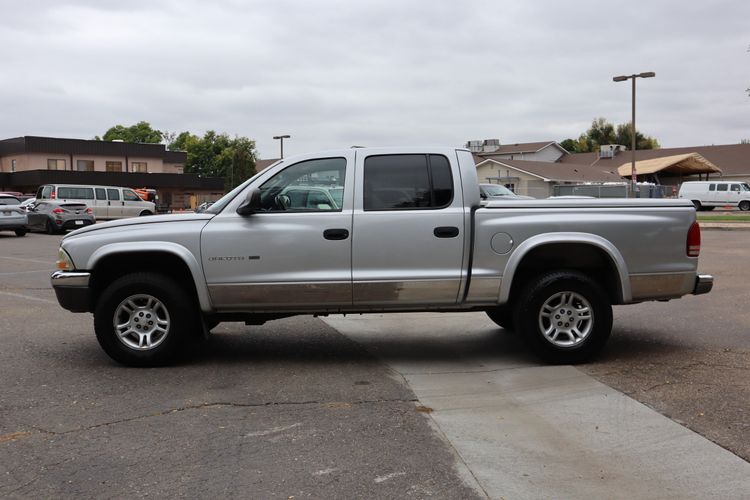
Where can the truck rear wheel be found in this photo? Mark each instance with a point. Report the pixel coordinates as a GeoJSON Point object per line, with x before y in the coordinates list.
{"type": "Point", "coordinates": [565, 317]}
{"type": "Point", "coordinates": [144, 319]}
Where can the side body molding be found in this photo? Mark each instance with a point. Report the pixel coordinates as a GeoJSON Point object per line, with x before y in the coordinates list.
{"type": "Point", "coordinates": [176, 249]}
{"type": "Point", "coordinates": [582, 238]}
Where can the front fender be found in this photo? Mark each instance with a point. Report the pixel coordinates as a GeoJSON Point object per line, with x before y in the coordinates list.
{"type": "Point", "coordinates": [159, 246]}
{"type": "Point", "coordinates": [548, 238]}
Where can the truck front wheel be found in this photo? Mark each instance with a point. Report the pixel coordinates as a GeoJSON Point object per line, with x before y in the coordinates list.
{"type": "Point", "coordinates": [565, 317]}
{"type": "Point", "coordinates": [143, 319]}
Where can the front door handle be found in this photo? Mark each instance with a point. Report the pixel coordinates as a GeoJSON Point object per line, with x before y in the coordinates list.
{"type": "Point", "coordinates": [336, 234]}
{"type": "Point", "coordinates": [445, 232]}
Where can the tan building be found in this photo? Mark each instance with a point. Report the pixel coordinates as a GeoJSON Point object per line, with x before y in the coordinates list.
{"type": "Point", "coordinates": [540, 178]}
{"type": "Point", "coordinates": [732, 159]}
{"type": "Point", "coordinates": [29, 161]}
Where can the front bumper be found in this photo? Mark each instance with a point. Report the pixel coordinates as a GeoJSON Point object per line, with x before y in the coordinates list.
{"type": "Point", "coordinates": [703, 284]}
{"type": "Point", "coordinates": [72, 290]}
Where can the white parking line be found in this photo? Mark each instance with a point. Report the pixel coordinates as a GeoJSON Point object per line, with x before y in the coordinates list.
{"type": "Point", "coordinates": [26, 272]}
{"type": "Point", "coordinates": [29, 297]}
{"type": "Point", "coordinates": [49, 263]}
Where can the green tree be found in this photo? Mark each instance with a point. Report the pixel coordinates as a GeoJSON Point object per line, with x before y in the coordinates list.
{"type": "Point", "coordinates": [140, 132]}
{"type": "Point", "coordinates": [218, 155]}
{"type": "Point", "coordinates": [602, 133]}
{"type": "Point", "coordinates": [625, 137]}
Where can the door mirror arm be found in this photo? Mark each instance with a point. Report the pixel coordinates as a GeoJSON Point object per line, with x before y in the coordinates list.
{"type": "Point", "coordinates": [251, 204]}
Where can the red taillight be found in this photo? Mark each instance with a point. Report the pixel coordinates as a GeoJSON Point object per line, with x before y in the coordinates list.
{"type": "Point", "coordinates": [89, 211]}
{"type": "Point", "coordinates": [58, 211]}
{"type": "Point", "coordinates": [693, 245]}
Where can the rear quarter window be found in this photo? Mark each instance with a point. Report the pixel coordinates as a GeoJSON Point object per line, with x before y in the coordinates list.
{"type": "Point", "coordinates": [75, 193]}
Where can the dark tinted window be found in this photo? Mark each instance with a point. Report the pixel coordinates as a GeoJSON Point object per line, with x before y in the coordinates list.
{"type": "Point", "coordinates": [75, 193]}
{"type": "Point", "coordinates": [736, 187]}
{"type": "Point", "coordinates": [113, 194]}
{"type": "Point", "coordinates": [397, 182]}
{"type": "Point", "coordinates": [712, 187]}
{"type": "Point", "coordinates": [100, 194]}
{"type": "Point", "coordinates": [722, 187]}
{"type": "Point", "coordinates": [442, 182]}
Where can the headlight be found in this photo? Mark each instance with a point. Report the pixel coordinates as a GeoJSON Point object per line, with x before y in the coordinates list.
{"type": "Point", "coordinates": [64, 262]}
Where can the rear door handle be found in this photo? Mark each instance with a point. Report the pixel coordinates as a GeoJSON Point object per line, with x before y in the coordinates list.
{"type": "Point", "coordinates": [445, 232]}
{"type": "Point", "coordinates": [336, 234]}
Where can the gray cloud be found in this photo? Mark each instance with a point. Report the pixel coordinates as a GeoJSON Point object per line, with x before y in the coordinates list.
{"type": "Point", "coordinates": [335, 73]}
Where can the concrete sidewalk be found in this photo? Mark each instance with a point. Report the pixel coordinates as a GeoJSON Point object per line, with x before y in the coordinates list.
{"type": "Point", "coordinates": [526, 430]}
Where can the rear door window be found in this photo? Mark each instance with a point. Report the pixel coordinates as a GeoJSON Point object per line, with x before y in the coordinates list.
{"type": "Point", "coordinates": [101, 194]}
{"type": "Point", "coordinates": [712, 187]}
{"type": "Point", "coordinates": [407, 182]}
{"type": "Point", "coordinates": [722, 187]}
{"type": "Point", "coordinates": [113, 194]}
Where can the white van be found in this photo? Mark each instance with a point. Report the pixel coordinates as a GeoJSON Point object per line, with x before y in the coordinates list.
{"type": "Point", "coordinates": [108, 202]}
{"type": "Point", "coordinates": [707, 195]}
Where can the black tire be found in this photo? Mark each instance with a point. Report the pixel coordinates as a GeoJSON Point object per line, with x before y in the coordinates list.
{"type": "Point", "coordinates": [698, 205]}
{"type": "Point", "coordinates": [145, 213]}
{"type": "Point", "coordinates": [21, 232]}
{"type": "Point", "coordinates": [529, 321]}
{"type": "Point", "coordinates": [744, 205]}
{"type": "Point", "coordinates": [50, 227]}
{"type": "Point", "coordinates": [502, 316]}
{"type": "Point", "coordinates": [181, 312]}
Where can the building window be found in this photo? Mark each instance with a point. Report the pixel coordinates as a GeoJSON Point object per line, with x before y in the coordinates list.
{"type": "Point", "coordinates": [54, 164]}
{"type": "Point", "coordinates": [140, 166]}
{"type": "Point", "coordinates": [85, 165]}
{"type": "Point", "coordinates": [12, 165]}
{"type": "Point", "coordinates": [113, 166]}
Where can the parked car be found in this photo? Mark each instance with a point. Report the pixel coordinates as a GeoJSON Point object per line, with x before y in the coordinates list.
{"type": "Point", "coordinates": [27, 204]}
{"type": "Point", "coordinates": [12, 216]}
{"type": "Point", "coordinates": [411, 235]}
{"type": "Point", "coordinates": [107, 202]}
{"type": "Point", "coordinates": [203, 206]}
{"type": "Point", "coordinates": [56, 216]}
{"type": "Point", "coordinates": [707, 195]}
{"type": "Point", "coordinates": [307, 198]}
{"type": "Point", "coordinates": [499, 192]}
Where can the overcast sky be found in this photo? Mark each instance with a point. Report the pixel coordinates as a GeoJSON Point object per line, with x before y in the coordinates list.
{"type": "Point", "coordinates": [338, 73]}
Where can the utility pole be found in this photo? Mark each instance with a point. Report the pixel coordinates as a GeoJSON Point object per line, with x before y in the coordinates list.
{"type": "Point", "coordinates": [633, 175]}
{"type": "Point", "coordinates": [281, 138]}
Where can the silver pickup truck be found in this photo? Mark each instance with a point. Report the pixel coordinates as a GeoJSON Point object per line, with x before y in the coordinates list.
{"type": "Point", "coordinates": [378, 230]}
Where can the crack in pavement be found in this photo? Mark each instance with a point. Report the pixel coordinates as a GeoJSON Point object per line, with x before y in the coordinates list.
{"type": "Point", "coordinates": [220, 404]}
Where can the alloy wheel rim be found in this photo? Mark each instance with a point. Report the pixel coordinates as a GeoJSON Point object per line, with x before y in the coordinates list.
{"type": "Point", "coordinates": [566, 319]}
{"type": "Point", "coordinates": [141, 322]}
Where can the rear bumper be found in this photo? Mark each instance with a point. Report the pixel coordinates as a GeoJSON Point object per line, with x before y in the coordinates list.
{"type": "Point", "coordinates": [72, 290]}
{"type": "Point", "coordinates": [703, 284]}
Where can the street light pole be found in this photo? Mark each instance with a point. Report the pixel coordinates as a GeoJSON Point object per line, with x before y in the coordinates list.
{"type": "Point", "coordinates": [633, 175]}
{"type": "Point", "coordinates": [281, 138]}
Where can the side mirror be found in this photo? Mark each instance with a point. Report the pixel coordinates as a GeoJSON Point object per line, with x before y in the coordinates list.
{"type": "Point", "coordinates": [251, 204]}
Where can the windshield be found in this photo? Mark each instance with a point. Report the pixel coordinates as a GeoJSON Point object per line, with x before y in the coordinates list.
{"type": "Point", "coordinates": [745, 186]}
{"type": "Point", "coordinates": [224, 200]}
{"type": "Point", "coordinates": [497, 190]}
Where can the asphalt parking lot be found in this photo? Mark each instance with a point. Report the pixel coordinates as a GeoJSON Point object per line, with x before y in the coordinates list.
{"type": "Point", "coordinates": [296, 409]}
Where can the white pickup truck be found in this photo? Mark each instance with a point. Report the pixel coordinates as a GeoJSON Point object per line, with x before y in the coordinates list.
{"type": "Point", "coordinates": [378, 230]}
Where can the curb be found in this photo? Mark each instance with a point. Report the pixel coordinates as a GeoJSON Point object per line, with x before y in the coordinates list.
{"type": "Point", "coordinates": [728, 226]}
